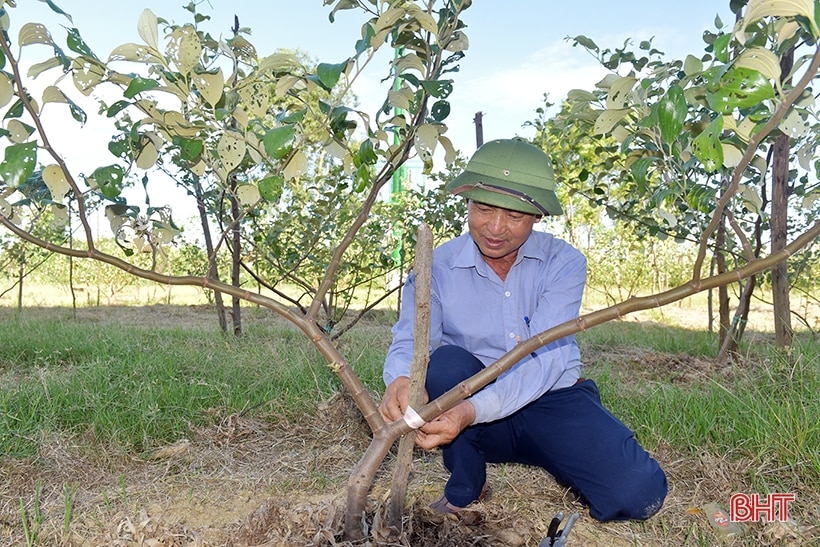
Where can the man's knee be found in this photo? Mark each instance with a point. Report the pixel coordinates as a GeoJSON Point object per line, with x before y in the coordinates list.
{"type": "Point", "coordinates": [448, 366]}
{"type": "Point", "coordinates": [642, 499]}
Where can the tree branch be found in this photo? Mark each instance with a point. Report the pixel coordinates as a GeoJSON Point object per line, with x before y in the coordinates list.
{"type": "Point", "coordinates": [754, 142]}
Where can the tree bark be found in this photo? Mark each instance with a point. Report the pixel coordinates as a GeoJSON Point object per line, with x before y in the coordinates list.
{"type": "Point", "coordinates": [723, 291]}
{"type": "Point", "coordinates": [418, 374]}
{"type": "Point", "coordinates": [213, 270]}
{"type": "Point", "coordinates": [779, 225]}
{"type": "Point", "coordinates": [21, 274]}
{"type": "Point", "coordinates": [236, 258]}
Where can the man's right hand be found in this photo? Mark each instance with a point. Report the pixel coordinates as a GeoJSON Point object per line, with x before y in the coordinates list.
{"type": "Point", "coordinates": [395, 400]}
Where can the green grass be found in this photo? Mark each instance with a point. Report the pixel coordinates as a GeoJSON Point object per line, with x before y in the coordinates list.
{"type": "Point", "coordinates": [138, 388]}
{"type": "Point", "coordinates": [762, 409]}
{"type": "Point", "coordinates": [652, 336]}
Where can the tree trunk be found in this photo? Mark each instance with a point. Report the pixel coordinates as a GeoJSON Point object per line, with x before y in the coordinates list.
{"type": "Point", "coordinates": [418, 374]}
{"type": "Point", "coordinates": [213, 270]}
{"type": "Point", "coordinates": [723, 291]}
{"type": "Point", "coordinates": [710, 297]}
{"type": "Point", "coordinates": [71, 267]}
{"type": "Point", "coordinates": [729, 346]}
{"type": "Point", "coordinates": [236, 258]}
{"type": "Point", "coordinates": [21, 276]}
{"type": "Point", "coordinates": [779, 225]}
{"type": "Point", "coordinates": [236, 234]}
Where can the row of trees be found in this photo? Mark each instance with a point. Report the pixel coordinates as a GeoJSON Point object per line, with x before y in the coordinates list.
{"type": "Point", "coordinates": [619, 267]}
{"type": "Point", "coordinates": [287, 173]}
{"type": "Point", "coordinates": [710, 149]}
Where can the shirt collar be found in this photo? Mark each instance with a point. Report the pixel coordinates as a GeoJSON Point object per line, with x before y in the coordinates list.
{"type": "Point", "coordinates": [470, 257]}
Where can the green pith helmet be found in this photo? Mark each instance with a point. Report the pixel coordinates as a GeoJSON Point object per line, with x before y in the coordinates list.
{"type": "Point", "coordinates": [512, 174]}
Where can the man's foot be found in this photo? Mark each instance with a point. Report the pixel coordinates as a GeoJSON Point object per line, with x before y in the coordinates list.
{"type": "Point", "coordinates": [444, 506]}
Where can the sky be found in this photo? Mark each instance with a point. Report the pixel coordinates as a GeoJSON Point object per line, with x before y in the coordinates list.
{"type": "Point", "coordinates": [518, 48]}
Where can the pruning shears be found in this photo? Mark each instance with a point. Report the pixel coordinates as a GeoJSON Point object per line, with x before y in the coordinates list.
{"type": "Point", "coordinates": [556, 537]}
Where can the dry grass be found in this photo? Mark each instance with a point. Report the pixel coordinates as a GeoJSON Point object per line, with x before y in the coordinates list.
{"type": "Point", "coordinates": [265, 481]}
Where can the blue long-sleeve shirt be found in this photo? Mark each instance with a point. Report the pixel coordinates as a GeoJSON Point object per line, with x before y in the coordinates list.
{"type": "Point", "coordinates": [473, 308]}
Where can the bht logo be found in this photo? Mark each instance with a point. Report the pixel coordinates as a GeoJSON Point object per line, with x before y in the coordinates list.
{"type": "Point", "coordinates": [745, 508]}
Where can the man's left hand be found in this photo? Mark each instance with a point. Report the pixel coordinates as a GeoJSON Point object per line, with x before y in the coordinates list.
{"type": "Point", "coordinates": [446, 427]}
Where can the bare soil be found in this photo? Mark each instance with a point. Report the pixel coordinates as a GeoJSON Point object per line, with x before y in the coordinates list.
{"type": "Point", "coordinates": [264, 480]}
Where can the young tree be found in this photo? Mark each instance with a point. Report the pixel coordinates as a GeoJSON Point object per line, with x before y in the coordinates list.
{"type": "Point", "coordinates": [697, 139]}
{"type": "Point", "coordinates": [207, 108]}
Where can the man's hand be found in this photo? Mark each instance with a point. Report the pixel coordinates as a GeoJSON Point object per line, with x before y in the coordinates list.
{"type": "Point", "coordinates": [395, 400]}
{"type": "Point", "coordinates": [441, 430]}
{"type": "Point", "coordinates": [446, 427]}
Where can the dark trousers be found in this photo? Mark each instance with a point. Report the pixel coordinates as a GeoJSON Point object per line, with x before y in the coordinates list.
{"type": "Point", "coordinates": [567, 432]}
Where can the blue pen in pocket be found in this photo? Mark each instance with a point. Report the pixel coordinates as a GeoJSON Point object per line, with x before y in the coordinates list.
{"type": "Point", "coordinates": [529, 334]}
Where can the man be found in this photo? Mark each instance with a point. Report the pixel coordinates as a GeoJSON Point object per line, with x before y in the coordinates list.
{"type": "Point", "coordinates": [491, 288]}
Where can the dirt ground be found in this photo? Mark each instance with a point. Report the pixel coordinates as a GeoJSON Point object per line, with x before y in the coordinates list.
{"type": "Point", "coordinates": [265, 481]}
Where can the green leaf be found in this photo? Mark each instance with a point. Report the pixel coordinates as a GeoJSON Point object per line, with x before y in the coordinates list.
{"type": "Point", "coordinates": [439, 89]}
{"type": "Point", "coordinates": [737, 88]}
{"type": "Point", "coordinates": [138, 85]}
{"type": "Point", "coordinates": [412, 79]}
{"type": "Point", "coordinates": [277, 141]}
{"type": "Point", "coordinates": [672, 109]}
{"type": "Point", "coordinates": [117, 107]}
{"type": "Point", "coordinates": [363, 44]}
{"type": "Point", "coordinates": [342, 5]}
{"type": "Point", "coordinates": [190, 150]}
{"type": "Point", "coordinates": [707, 146]}
{"type": "Point", "coordinates": [440, 110]}
{"type": "Point", "coordinates": [64, 60]}
{"type": "Point", "coordinates": [76, 112]}
{"type": "Point", "coordinates": [585, 42]}
{"type": "Point", "coordinates": [55, 9]}
{"type": "Point", "coordinates": [271, 187]}
{"type": "Point", "coordinates": [292, 117]}
{"type": "Point", "coordinates": [15, 111]}
{"type": "Point", "coordinates": [721, 47]}
{"type": "Point", "coordinates": [120, 146]}
{"type": "Point", "coordinates": [362, 179]}
{"type": "Point", "coordinates": [640, 169]}
{"type": "Point", "coordinates": [329, 74]}
{"type": "Point", "coordinates": [367, 154]}
{"type": "Point", "coordinates": [109, 180]}
{"type": "Point", "coordinates": [78, 45]}
{"type": "Point", "coordinates": [338, 120]}
{"type": "Point", "coordinates": [18, 164]}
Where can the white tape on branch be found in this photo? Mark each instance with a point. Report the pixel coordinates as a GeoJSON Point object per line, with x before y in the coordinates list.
{"type": "Point", "coordinates": [412, 418]}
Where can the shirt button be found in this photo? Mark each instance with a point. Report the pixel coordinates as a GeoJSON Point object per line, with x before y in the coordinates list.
{"type": "Point", "coordinates": [512, 335]}
{"type": "Point", "coordinates": [507, 294]}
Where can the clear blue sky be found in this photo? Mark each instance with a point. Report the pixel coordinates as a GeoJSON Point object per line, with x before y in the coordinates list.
{"type": "Point", "coordinates": [517, 49]}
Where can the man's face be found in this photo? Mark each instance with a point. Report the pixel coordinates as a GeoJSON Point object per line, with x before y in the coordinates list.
{"type": "Point", "coordinates": [498, 232]}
